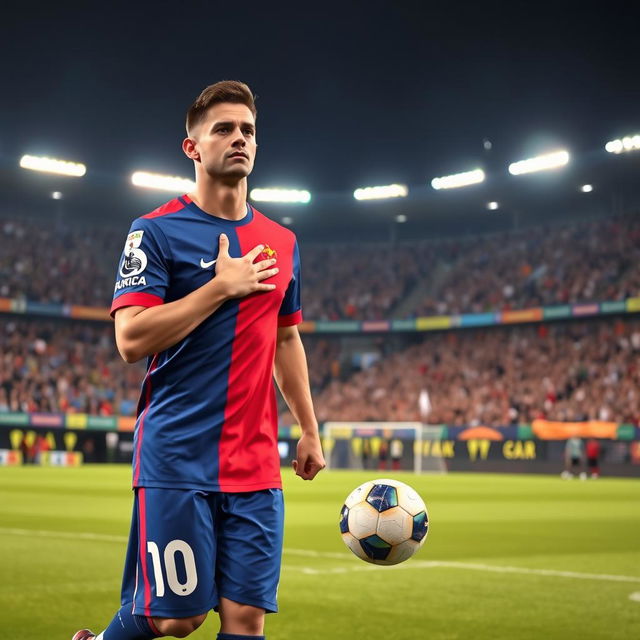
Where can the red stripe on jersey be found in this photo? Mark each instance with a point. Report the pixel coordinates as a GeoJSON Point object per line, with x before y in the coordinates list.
{"type": "Point", "coordinates": [135, 299]}
{"type": "Point", "coordinates": [291, 319]}
{"type": "Point", "coordinates": [142, 514]}
{"type": "Point", "coordinates": [248, 446]}
{"type": "Point", "coordinates": [147, 402]}
{"type": "Point", "coordinates": [168, 207]}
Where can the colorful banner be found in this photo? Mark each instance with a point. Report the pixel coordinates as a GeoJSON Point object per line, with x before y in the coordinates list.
{"type": "Point", "coordinates": [548, 430]}
{"type": "Point", "coordinates": [540, 429]}
{"type": "Point", "coordinates": [520, 316]}
{"type": "Point", "coordinates": [427, 323]}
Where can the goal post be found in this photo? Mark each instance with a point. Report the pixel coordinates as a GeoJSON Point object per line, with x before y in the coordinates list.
{"type": "Point", "coordinates": [393, 446]}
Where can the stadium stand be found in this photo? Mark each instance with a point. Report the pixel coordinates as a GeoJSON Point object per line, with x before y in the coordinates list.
{"type": "Point", "coordinates": [532, 267]}
{"type": "Point", "coordinates": [565, 371]}
{"type": "Point", "coordinates": [573, 371]}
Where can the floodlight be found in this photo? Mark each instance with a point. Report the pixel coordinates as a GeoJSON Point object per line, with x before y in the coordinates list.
{"type": "Point", "coordinates": [57, 195]}
{"type": "Point", "coordinates": [493, 206]}
{"type": "Point", "coordinates": [53, 165]}
{"type": "Point", "coordinates": [458, 180]}
{"type": "Point", "coordinates": [280, 195]}
{"type": "Point", "coordinates": [161, 182]}
{"type": "Point", "coordinates": [379, 193]}
{"type": "Point", "coordinates": [540, 163]}
{"type": "Point", "coordinates": [621, 145]}
{"type": "Point", "coordinates": [586, 188]}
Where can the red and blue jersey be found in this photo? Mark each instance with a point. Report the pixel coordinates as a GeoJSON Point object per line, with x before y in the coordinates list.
{"type": "Point", "coordinates": [207, 416]}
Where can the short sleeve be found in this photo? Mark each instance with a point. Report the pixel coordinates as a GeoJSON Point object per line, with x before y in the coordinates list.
{"type": "Point", "coordinates": [291, 308]}
{"type": "Point", "coordinates": [143, 275]}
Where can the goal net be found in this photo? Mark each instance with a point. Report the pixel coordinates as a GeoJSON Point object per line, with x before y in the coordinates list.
{"type": "Point", "coordinates": [390, 446]}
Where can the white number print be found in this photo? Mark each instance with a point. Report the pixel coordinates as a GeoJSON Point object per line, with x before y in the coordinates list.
{"type": "Point", "coordinates": [179, 588]}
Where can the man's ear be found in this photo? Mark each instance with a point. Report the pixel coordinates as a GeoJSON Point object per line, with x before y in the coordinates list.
{"type": "Point", "coordinates": [189, 148]}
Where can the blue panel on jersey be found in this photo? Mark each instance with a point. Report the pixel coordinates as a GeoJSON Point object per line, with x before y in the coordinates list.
{"type": "Point", "coordinates": [420, 526]}
{"type": "Point", "coordinates": [383, 497]}
{"type": "Point", "coordinates": [344, 519]}
{"type": "Point", "coordinates": [375, 547]}
{"type": "Point", "coordinates": [291, 302]}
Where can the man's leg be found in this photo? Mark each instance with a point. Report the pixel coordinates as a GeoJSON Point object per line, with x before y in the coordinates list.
{"type": "Point", "coordinates": [168, 583]}
{"type": "Point", "coordinates": [240, 621]}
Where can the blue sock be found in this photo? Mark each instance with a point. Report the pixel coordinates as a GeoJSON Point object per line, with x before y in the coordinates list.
{"type": "Point", "coordinates": [126, 626]}
{"type": "Point", "coordinates": [233, 636]}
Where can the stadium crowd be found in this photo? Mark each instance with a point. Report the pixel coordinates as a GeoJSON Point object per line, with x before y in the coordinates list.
{"type": "Point", "coordinates": [573, 371]}
{"type": "Point", "coordinates": [73, 367]}
{"type": "Point", "coordinates": [582, 262]}
{"type": "Point", "coordinates": [585, 262]}
{"type": "Point", "coordinates": [569, 372]}
{"type": "Point", "coordinates": [68, 367]}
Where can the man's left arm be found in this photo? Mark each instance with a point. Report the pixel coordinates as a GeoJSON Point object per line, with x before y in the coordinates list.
{"type": "Point", "coordinates": [292, 377]}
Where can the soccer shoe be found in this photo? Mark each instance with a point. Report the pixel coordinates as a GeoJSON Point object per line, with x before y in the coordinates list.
{"type": "Point", "coordinates": [83, 634]}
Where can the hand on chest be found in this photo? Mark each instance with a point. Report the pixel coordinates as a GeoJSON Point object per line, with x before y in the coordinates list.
{"type": "Point", "coordinates": [195, 257]}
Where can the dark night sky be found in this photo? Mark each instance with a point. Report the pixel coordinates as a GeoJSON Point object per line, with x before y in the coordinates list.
{"type": "Point", "coordinates": [349, 93]}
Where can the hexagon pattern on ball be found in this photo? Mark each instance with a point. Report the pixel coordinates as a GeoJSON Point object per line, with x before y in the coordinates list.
{"type": "Point", "coordinates": [383, 497]}
{"type": "Point", "coordinates": [344, 519]}
{"type": "Point", "coordinates": [395, 525]}
{"type": "Point", "coordinates": [410, 500]}
{"type": "Point", "coordinates": [401, 552]}
{"type": "Point", "coordinates": [420, 526]}
{"type": "Point", "coordinates": [375, 547]}
{"type": "Point", "coordinates": [384, 522]}
{"type": "Point", "coordinates": [362, 520]}
{"type": "Point", "coordinates": [358, 494]}
{"type": "Point", "coordinates": [355, 546]}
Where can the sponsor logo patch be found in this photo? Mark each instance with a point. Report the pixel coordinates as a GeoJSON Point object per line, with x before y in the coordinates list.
{"type": "Point", "coordinates": [134, 260]}
{"type": "Point", "coordinates": [133, 281]}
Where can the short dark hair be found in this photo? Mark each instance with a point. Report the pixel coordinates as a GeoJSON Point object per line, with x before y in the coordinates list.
{"type": "Point", "coordinates": [224, 91]}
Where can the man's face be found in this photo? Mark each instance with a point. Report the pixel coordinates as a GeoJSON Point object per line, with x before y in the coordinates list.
{"type": "Point", "coordinates": [225, 141]}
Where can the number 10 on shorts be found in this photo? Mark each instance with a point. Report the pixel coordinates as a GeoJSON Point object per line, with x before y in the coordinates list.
{"type": "Point", "coordinates": [169, 556]}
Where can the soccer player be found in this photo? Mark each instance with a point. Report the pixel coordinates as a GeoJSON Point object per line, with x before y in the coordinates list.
{"type": "Point", "coordinates": [209, 291]}
{"type": "Point", "coordinates": [593, 454]}
{"type": "Point", "coordinates": [573, 454]}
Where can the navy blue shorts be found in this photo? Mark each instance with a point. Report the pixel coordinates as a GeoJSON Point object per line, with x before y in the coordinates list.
{"type": "Point", "coordinates": [189, 548]}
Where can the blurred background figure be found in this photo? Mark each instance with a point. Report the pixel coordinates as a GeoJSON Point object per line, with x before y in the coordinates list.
{"type": "Point", "coordinates": [573, 458]}
{"type": "Point", "coordinates": [593, 457]}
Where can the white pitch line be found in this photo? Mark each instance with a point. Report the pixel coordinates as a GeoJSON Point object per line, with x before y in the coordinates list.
{"type": "Point", "coordinates": [435, 564]}
{"type": "Point", "coordinates": [79, 535]}
{"type": "Point", "coordinates": [308, 553]}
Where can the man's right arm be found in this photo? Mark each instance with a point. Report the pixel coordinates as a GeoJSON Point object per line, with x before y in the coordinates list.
{"type": "Point", "coordinates": [142, 331]}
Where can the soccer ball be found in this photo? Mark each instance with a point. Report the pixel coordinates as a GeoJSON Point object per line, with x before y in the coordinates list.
{"type": "Point", "coordinates": [384, 521]}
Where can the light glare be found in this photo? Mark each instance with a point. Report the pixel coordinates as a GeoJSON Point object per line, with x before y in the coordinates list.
{"type": "Point", "coordinates": [57, 195]}
{"type": "Point", "coordinates": [164, 183]}
{"type": "Point", "coordinates": [401, 218]}
{"type": "Point", "coordinates": [492, 206]}
{"type": "Point", "coordinates": [381, 192]}
{"type": "Point", "coordinates": [53, 165]}
{"type": "Point", "coordinates": [280, 195]}
{"type": "Point", "coordinates": [586, 188]}
{"type": "Point", "coordinates": [458, 180]}
{"type": "Point", "coordinates": [621, 145]}
{"type": "Point", "coordinates": [540, 163]}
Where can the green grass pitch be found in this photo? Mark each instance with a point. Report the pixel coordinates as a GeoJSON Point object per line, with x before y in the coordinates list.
{"type": "Point", "coordinates": [527, 557]}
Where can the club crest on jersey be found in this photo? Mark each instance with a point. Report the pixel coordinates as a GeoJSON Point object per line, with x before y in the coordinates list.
{"type": "Point", "coordinates": [268, 253]}
{"type": "Point", "coordinates": [134, 260]}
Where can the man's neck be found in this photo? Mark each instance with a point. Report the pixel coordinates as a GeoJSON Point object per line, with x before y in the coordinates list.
{"type": "Point", "coordinates": [223, 200]}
